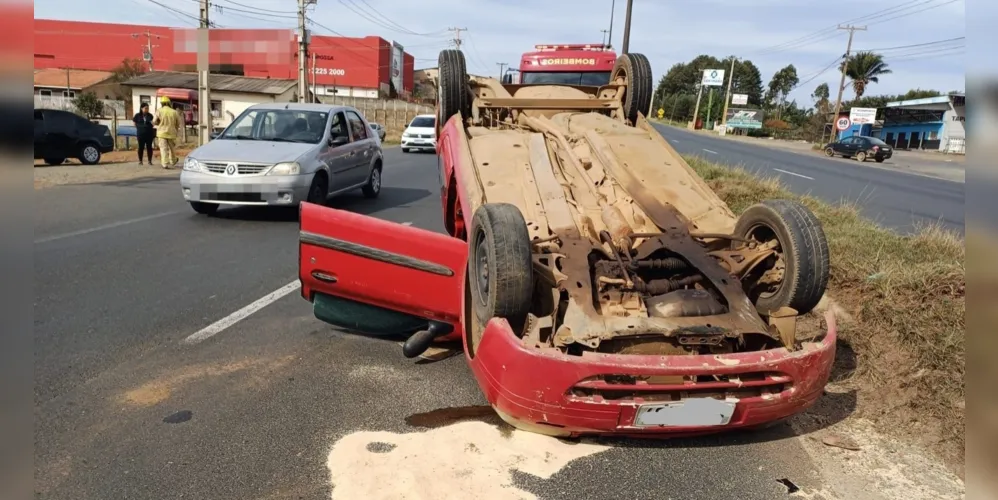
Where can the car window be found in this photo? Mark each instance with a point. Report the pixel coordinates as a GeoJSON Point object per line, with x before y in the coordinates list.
{"type": "Point", "coordinates": [338, 127]}
{"type": "Point", "coordinates": [876, 142]}
{"type": "Point", "coordinates": [278, 125]}
{"type": "Point", "coordinates": [60, 121]}
{"type": "Point", "coordinates": [423, 122]}
{"type": "Point", "coordinates": [38, 114]}
{"type": "Point", "coordinates": [849, 140]}
{"type": "Point", "coordinates": [357, 128]}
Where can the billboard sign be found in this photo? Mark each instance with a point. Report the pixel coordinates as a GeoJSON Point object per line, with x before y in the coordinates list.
{"type": "Point", "coordinates": [739, 99]}
{"type": "Point", "coordinates": [744, 118]}
{"type": "Point", "coordinates": [712, 78]}
{"type": "Point", "coordinates": [396, 74]}
{"type": "Point", "coordinates": [863, 116]}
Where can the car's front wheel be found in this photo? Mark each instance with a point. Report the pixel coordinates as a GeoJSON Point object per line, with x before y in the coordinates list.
{"type": "Point", "coordinates": [319, 190]}
{"type": "Point", "coordinates": [405, 150]}
{"type": "Point", "coordinates": [89, 154]}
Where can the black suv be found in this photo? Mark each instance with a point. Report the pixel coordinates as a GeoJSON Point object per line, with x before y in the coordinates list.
{"type": "Point", "coordinates": [61, 134]}
{"type": "Point", "coordinates": [861, 147]}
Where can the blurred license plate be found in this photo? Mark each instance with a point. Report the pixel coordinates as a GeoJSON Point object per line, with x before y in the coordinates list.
{"type": "Point", "coordinates": [694, 412]}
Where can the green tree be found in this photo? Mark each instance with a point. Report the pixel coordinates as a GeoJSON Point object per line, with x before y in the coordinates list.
{"type": "Point", "coordinates": [128, 69]}
{"type": "Point", "coordinates": [780, 86]}
{"type": "Point", "coordinates": [88, 105]}
{"type": "Point", "coordinates": [864, 68]}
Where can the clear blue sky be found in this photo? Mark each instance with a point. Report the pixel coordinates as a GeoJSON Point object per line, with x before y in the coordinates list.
{"type": "Point", "coordinates": [772, 33]}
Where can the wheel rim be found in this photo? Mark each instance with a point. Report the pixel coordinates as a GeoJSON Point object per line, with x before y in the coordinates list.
{"type": "Point", "coordinates": [90, 153]}
{"type": "Point", "coordinates": [761, 234]}
{"type": "Point", "coordinates": [481, 268]}
{"type": "Point", "coordinates": [376, 180]}
{"type": "Point", "coordinates": [861, 156]}
{"type": "Point", "coordinates": [829, 152]}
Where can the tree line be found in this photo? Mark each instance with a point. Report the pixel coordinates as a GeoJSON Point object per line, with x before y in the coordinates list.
{"type": "Point", "coordinates": [676, 93]}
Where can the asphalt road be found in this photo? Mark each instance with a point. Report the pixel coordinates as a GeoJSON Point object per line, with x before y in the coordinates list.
{"type": "Point", "coordinates": [897, 200]}
{"type": "Point", "coordinates": [125, 271]}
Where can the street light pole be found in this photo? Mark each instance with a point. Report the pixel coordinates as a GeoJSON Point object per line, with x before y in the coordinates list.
{"type": "Point", "coordinates": [613, 7]}
{"type": "Point", "coordinates": [627, 28]}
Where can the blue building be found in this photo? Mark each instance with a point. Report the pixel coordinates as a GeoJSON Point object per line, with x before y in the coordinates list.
{"type": "Point", "coordinates": [931, 124]}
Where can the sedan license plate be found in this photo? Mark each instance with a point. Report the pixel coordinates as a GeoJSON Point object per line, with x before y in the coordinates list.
{"type": "Point", "coordinates": [694, 412]}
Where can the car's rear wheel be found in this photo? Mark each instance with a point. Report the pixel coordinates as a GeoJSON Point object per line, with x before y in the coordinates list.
{"type": "Point", "coordinates": [500, 272]}
{"type": "Point", "coordinates": [829, 152]}
{"type": "Point", "coordinates": [204, 208]}
{"type": "Point", "coordinates": [634, 71]}
{"type": "Point", "coordinates": [797, 275]}
{"type": "Point", "coordinates": [880, 160]}
{"type": "Point", "coordinates": [89, 154]}
{"type": "Point", "coordinates": [54, 161]}
{"type": "Point", "coordinates": [861, 157]}
{"type": "Point", "coordinates": [452, 86]}
{"type": "Point", "coordinates": [373, 187]}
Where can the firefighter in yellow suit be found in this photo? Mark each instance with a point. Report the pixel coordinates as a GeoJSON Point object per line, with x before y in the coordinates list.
{"type": "Point", "coordinates": [167, 124]}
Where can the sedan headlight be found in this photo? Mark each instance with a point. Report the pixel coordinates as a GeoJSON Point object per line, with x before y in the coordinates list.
{"type": "Point", "coordinates": [287, 168]}
{"type": "Point", "coordinates": [192, 165]}
{"type": "Point", "coordinates": [406, 134]}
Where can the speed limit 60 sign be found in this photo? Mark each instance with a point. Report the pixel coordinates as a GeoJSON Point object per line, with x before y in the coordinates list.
{"type": "Point", "coordinates": [842, 123]}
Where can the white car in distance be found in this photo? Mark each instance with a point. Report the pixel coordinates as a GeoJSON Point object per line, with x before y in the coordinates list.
{"type": "Point", "coordinates": [421, 134]}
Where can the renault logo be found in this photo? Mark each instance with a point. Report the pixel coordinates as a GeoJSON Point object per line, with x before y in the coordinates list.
{"type": "Point", "coordinates": [231, 169]}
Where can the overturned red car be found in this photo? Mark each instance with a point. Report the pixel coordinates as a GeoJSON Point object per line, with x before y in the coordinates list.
{"type": "Point", "coordinates": [598, 285]}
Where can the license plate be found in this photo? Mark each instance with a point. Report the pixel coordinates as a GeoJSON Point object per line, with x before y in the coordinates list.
{"type": "Point", "coordinates": [695, 412]}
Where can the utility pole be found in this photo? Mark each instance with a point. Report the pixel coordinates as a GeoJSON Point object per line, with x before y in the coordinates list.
{"type": "Point", "coordinates": [457, 36]}
{"type": "Point", "coordinates": [501, 67]}
{"type": "Point", "coordinates": [604, 36]}
{"type": "Point", "coordinates": [842, 83]}
{"type": "Point", "coordinates": [696, 109]}
{"type": "Point", "coordinates": [627, 28]}
{"type": "Point", "coordinates": [609, 39]}
{"type": "Point", "coordinates": [315, 98]}
{"type": "Point", "coordinates": [727, 93]}
{"type": "Point", "coordinates": [147, 50]}
{"type": "Point", "coordinates": [302, 51]}
{"type": "Point", "coordinates": [204, 71]}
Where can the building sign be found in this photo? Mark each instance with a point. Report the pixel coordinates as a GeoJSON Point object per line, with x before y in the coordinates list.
{"type": "Point", "coordinates": [744, 118]}
{"type": "Point", "coordinates": [712, 78]}
{"type": "Point", "coordinates": [396, 75]}
{"type": "Point", "coordinates": [863, 116]}
{"type": "Point", "coordinates": [328, 71]}
{"type": "Point", "coordinates": [739, 99]}
{"type": "Point", "coordinates": [582, 61]}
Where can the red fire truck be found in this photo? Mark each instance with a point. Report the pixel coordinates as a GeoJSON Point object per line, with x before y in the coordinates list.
{"type": "Point", "coordinates": [578, 64]}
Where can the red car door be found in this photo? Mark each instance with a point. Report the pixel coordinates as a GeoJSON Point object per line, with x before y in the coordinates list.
{"type": "Point", "coordinates": [379, 278]}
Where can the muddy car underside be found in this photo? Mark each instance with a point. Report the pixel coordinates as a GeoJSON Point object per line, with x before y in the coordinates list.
{"type": "Point", "coordinates": [588, 232]}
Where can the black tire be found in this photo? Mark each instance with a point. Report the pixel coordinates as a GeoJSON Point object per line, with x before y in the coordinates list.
{"type": "Point", "coordinates": [880, 160]}
{"type": "Point", "coordinates": [636, 71]}
{"type": "Point", "coordinates": [373, 187]}
{"type": "Point", "coordinates": [405, 150]}
{"type": "Point", "coordinates": [204, 208]}
{"type": "Point", "coordinates": [318, 191]}
{"type": "Point", "coordinates": [829, 152]}
{"type": "Point", "coordinates": [500, 272]}
{"type": "Point", "coordinates": [55, 161]}
{"type": "Point", "coordinates": [452, 86]}
{"type": "Point", "coordinates": [89, 154]}
{"type": "Point", "coordinates": [861, 157]}
{"type": "Point", "coordinates": [803, 247]}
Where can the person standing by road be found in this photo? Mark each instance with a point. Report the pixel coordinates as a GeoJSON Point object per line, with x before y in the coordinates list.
{"type": "Point", "coordinates": [144, 131]}
{"type": "Point", "coordinates": [168, 122]}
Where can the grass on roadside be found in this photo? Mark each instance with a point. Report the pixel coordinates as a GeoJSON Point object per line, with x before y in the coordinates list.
{"type": "Point", "coordinates": [906, 299]}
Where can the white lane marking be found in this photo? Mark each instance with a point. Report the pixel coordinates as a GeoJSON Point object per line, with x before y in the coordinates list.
{"type": "Point", "coordinates": [406, 223]}
{"type": "Point", "coordinates": [103, 227]}
{"type": "Point", "coordinates": [216, 327]}
{"type": "Point", "coordinates": [793, 173]}
{"type": "Point", "coordinates": [711, 152]}
{"type": "Point", "coordinates": [673, 140]}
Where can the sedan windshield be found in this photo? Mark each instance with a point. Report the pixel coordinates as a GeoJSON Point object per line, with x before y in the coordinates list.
{"type": "Point", "coordinates": [278, 125]}
{"type": "Point", "coordinates": [423, 122]}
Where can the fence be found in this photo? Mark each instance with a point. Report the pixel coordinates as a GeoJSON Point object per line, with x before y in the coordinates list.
{"type": "Point", "coordinates": [111, 107]}
{"type": "Point", "coordinates": [393, 115]}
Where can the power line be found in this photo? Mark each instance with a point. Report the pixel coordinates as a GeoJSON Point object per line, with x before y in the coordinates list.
{"type": "Point", "coordinates": [178, 12]}
{"type": "Point", "coordinates": [812, 77]}
{"type": "Point", "coordinates": [403, 28]}
{"type": "Point", "coordinates": [937, 42]}
{"type": "Point", "coordinates": [261, 9]}
{"type": "Point", "coordinates": [915, 12]}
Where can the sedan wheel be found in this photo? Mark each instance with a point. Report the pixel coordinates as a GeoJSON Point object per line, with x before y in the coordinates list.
{"type": "Point", "coordinates": [90, 155]}
{"type": "Point", "coordinates": [829, 152]}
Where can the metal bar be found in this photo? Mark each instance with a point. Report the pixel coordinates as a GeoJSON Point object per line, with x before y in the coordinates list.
{"type": "Point", "coordinates": [549, 103]}
{"type": "Point", "coordinates": [367, 252]}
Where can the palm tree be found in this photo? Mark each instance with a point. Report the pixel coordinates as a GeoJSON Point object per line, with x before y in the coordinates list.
{"type": "Point", "coordinates": [863, 68]}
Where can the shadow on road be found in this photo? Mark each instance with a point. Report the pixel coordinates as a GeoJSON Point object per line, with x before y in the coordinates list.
{"type": "Point", "coordinates": [390, 197]}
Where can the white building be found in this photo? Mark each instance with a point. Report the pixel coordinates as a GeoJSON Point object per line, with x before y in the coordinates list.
{"type": "Point", "coordinates": [230, 94]}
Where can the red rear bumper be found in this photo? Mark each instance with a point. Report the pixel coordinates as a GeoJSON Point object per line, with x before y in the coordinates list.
{"type": "Point", "coordinates": [552, 392]}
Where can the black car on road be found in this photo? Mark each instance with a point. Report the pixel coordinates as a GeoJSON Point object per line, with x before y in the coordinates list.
{"type": "Point", "coordinates": [860, 147]}
{"type": "Point", "coordinates": [61, 134]}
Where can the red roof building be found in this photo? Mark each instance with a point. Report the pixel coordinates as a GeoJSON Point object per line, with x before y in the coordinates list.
{"type": "Point", "coordinates": [360, 67]}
